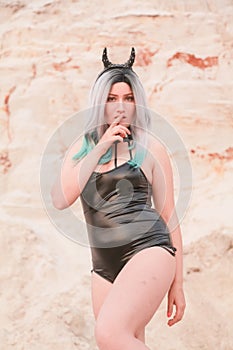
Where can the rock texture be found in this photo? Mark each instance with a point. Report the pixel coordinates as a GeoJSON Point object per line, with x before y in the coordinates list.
{"type": "Point", "coordinates": [49, 57]}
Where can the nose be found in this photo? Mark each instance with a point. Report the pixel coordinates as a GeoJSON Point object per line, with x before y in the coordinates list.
{"type": "Point", "coordinates": [120, 107]}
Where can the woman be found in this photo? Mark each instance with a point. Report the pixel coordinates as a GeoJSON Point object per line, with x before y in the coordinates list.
{"type": "Point", "coordinates": [136, 249]}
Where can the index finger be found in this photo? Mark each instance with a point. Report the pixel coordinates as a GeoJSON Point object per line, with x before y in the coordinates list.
{"type": "Point", "coordinates": [116, 121]}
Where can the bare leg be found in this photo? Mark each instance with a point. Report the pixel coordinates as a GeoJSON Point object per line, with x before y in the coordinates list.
{"type": "Point", "coordinates": [133, 299]}
{"type": "Point", "coordinates": [100, 289]}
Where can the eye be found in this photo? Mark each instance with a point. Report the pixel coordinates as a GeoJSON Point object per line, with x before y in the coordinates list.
{"type": "Point", "coordinates": [130, 98]}
{"type": "Point", "coordinates": [111, 99]}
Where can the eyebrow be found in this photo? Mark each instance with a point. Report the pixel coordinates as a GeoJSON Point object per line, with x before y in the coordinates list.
{"type": "Point", "coordinates": [123, 95]}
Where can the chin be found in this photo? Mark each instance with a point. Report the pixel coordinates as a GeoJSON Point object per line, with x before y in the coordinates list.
{"type": "Point", "coordinates": [125, 124]}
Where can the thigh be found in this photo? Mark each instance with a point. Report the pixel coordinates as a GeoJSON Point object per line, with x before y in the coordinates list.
{"type": "Point", "coordinates": [138, 290]}
{"type": "Point", "coordinates": [100, 288]}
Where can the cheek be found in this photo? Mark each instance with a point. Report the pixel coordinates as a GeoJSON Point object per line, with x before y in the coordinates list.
{"type": "Point", "coordinates": [107, 109]}
{"type": "Point", "coordinates": [131, 110]}
{"type": "Point", "coordinates": [108, 112]}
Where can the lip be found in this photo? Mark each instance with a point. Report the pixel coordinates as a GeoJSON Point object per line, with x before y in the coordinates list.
{"type": "Point", "coordinates": [122, 117]}
{"type": "Point", "coordinates": [122, 122]}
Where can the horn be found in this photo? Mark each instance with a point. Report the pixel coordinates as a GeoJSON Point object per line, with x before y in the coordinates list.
{"type": "Point", "coordinates": [131, 59]}
{"type": "Point", "coordinates": [105, 59]}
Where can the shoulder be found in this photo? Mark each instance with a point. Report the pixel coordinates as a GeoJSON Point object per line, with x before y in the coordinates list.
{"type": "Point", "coordinates": [156, 147]}
{"type": "Point", "coordinates": [159, 156]}
{"type": "Point", "coordinates": [74, 148]}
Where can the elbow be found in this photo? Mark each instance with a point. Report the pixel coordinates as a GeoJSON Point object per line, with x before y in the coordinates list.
{"type": "Point", "coordinates": [58, 203]}
{"type": "Point", "coordinates": [62, 199]}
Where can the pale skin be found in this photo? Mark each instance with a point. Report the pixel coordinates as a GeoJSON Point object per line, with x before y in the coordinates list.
{"type": "Point", "coordinates": [125, 307]}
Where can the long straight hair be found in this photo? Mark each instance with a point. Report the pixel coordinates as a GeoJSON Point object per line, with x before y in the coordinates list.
{"type": "Point", "coordinates": [96, 124]}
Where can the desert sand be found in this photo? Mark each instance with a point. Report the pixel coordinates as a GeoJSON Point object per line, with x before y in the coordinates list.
{"type": "Point", "coordinates": [50, 55]}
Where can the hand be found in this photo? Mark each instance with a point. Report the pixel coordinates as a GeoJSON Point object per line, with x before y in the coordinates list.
{"type": "Point", "coordinates": [175, 297]}
{"type": "Point", "coordinates": [115, 132]}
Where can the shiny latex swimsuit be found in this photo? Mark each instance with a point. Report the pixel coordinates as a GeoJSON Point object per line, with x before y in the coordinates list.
{"type": "Point", "coordinates": [120, 218]}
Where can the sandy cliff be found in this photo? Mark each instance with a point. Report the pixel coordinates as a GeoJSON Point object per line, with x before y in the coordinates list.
{"type": "Point", "coordinates": [50, 55]}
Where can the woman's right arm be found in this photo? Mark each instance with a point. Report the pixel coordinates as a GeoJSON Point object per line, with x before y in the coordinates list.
{"type": "Point", "coordinates": [73, 178]}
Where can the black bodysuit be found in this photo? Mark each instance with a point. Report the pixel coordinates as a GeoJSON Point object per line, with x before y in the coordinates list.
{"type": "Point", "coordinates": [120, 218]}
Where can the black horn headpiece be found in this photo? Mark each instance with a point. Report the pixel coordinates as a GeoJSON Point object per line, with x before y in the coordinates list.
{"type": "Point", "coordinates": [109, 65]}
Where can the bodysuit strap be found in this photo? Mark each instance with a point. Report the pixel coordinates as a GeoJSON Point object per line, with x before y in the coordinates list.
{"type": "Point", "coordinates": [115, 152]}
{"type": "Point", "coordinates": [130, 150]}
{"type": "Point", "coordinates": [115, 160]}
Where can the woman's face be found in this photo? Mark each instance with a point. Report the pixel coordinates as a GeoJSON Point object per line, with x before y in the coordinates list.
{"type": "Point", "coordinates": [120, 102]}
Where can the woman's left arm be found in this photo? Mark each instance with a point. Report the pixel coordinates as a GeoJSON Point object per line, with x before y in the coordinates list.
{"type": "Point", "coordinates": [163, 197]}
{"type": "Point", "coordinates": [176, 292]}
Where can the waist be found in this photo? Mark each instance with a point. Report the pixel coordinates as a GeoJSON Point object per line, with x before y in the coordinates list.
{"type": "Point", "coordinates": [140, 217]}
{"type": "Point", "coordinates": [106, 230]}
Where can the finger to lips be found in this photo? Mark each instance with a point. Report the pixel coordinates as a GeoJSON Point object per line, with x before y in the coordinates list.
{"type": "Point", "coordinates": [117, 120]}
